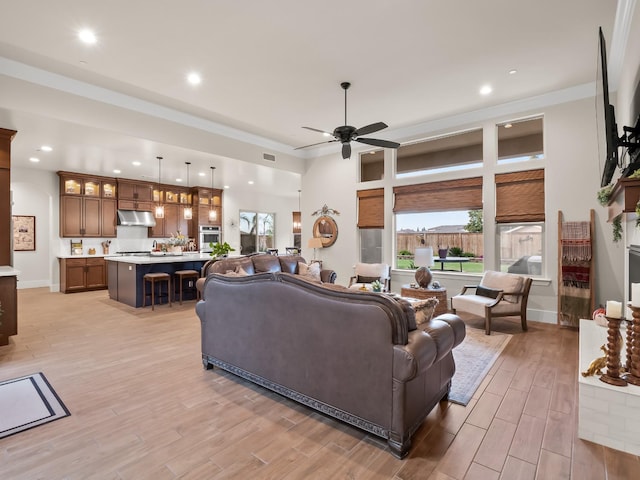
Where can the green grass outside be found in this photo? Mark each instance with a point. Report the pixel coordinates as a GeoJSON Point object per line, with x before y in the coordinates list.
{"type": "Point", "coordinates": [468, 267]}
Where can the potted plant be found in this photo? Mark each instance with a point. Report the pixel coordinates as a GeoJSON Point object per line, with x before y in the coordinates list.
{"type": "Point", "coordinates": [220, 249]}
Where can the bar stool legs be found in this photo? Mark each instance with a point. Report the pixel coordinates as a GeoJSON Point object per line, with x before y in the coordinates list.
{"type": "Point", "coordinates": [153, 278]}
{"type": "Point", "coordinates": [181, 276]}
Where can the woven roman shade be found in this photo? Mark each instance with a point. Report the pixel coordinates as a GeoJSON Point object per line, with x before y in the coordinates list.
{"type": "Point", "coordinates": [520, 197]}
{"type": "Point", "coordinates": [462, 194]}
{"type": "Point", "coordinates": [371, 208]}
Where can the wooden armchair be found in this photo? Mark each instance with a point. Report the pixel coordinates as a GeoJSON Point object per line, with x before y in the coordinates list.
{"type": "Point", "coordinates": [498, 295]}
{"type": "Point", "coordinates": [365, 273]}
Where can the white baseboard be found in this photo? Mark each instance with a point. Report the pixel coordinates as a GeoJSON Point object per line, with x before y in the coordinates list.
{"type": "Point", "coordinates": [542, 316]}
{"type": "Point", "coordinates": [32, 284]}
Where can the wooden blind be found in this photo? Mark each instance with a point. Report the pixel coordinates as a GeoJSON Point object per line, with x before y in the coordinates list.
{"type": "Point", "coordinates": [520, 196]}
{"type": "Point", "coordinates": [371, 208]}
{"type": "Point", "coordinates": [462, 194]}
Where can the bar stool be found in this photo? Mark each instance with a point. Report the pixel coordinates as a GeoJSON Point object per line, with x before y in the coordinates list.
{"type": "Point", "coordinates": [153, 278]}
{"type": "Point", "coordinates": [182, 275]}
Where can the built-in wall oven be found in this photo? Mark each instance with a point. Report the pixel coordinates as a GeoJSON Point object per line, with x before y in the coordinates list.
{"type": "Point", "coordinates": [208, 235]}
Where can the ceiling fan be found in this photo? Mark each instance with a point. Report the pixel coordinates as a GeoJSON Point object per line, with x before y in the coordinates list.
{"type": "Point", "coordinates": [346, 133]}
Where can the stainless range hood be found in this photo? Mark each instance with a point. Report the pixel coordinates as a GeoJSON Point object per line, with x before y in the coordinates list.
{"type": "Point", "coordinates": [136, 218]}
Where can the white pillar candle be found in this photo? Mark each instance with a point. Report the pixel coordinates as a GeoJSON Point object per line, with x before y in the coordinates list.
{"type": "Point", "coordinates": [635, 294]}
{"type": "Point", "coordinates": [614, 309]}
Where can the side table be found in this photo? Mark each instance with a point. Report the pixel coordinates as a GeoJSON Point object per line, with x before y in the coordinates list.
{"type": "Point", "coordinates": [423, 293]}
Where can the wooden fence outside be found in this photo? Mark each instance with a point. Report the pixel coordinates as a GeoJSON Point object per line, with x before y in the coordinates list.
{"type": "Point", "coordinates": [469, 242]}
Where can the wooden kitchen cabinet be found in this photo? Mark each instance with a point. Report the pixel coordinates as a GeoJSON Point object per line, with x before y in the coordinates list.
{"type": "Point", "coordinates": [135, 191]}
{"type": "Point", "coordinates": [82, 274]}
{"type": "Point", "coordinates": [87, 206]}
{"type": "Point", "coordinates": [206, 199]}
{"type": "Point", "coordinates": [172, 223]}
{"type": "Point", "coordinates": [9, 301]}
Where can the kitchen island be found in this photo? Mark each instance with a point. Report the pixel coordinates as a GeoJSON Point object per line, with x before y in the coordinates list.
{"type": "Point", "coordinates": [125, 273]}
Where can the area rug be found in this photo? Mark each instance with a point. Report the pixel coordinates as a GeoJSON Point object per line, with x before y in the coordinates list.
{"type": "Point", "coordinates": [474, 358]}
{"type": "Point", "coordinates": [28, 402]}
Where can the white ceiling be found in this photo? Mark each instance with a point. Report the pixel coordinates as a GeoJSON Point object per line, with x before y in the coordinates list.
{"type": "Point", "coordinates": [268, 69]}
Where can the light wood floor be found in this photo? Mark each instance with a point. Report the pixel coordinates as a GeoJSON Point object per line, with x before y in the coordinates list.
{"type": "Point", "coordinates": [143, 407]}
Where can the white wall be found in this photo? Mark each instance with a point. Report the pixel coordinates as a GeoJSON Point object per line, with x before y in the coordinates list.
{"type": "Point", "coordinates": [572, 178]}
{"type": "Point", "coordinates": [35, 192]}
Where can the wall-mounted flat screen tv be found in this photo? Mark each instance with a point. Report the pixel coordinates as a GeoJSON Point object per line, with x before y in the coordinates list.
{"type": "Point", "coordinates": [608, 140]}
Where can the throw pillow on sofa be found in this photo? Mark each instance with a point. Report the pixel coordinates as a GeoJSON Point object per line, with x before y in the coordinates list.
{"type": "Point", "coordinates": [310, 271]}
{"type": "Point", "coordinates": [238, 272]}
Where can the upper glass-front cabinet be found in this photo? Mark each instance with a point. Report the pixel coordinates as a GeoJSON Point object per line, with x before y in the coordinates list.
{"type": "Point", "coordinates": [88, 187]}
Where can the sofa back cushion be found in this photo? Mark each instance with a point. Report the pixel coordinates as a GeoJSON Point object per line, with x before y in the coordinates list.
{"type": "Point", "coordinates": [289, 263]}
{"type": "Point", "coordinates": [225, 265]}
{"type": "Point", "coordinates": [507, 282]}
{"type": "Point", "coordinates": [265, 263]}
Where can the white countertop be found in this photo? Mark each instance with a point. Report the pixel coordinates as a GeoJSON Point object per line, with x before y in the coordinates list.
{"type": "Point", "coordinates": [85, 255]}
{"type": "Point", "coordinates": [169, 258]}
{"type": "Point", "coordinates": [7, 271]}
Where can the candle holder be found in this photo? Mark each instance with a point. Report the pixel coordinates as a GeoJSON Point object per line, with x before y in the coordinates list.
{"type": "Point", "coordinates": [614, 344]}
{"type": "Point", "coordinates": [633, 348]}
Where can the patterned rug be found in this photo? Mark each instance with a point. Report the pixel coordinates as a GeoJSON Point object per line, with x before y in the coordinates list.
{"type": "Point", "coordinates": [27, 402]}
{"type": "Point", "coordinates": [474, 358]}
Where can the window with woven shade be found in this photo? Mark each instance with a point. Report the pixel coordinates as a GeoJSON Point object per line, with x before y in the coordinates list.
{"type": "Point", "coordinates": [371, 208]}
{"type": "Point", "coordinates": [520, 196]}
{"type": "Point", "coordinates": [461, 194]}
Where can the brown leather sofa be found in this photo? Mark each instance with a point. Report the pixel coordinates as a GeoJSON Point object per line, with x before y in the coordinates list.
{"type": "Point", "coordinates": [356, 356]}
{"type": "Point", "coordinates": [259, 263]}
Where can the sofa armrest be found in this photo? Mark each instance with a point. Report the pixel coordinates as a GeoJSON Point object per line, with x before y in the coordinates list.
{"type": "Point", "coordinates": [328, 276]}
{"type": "Point", "coordinates": [415, 357]}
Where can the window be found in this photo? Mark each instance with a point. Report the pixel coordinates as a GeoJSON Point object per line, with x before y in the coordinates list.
{"type": "Point", "coordinates": [520, 141]}
{"type": "Point", "coordinates": [520, 248]}
{"type": "Point", "coordinates": [454, 152]}
{"type": "Point", "coordinates": [257, 232]}
{"type": "Point", "coordinates": [372, 166]}
{"type": "Point", "coordinates": [520, 214]}
{"type": "Point", "coordinates": [456, 232]}
{"type": "Point", "coordinates": [444, 214]}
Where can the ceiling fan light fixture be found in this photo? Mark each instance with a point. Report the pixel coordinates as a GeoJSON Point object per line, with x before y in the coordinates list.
{"type": "Point", "coordinates": [345, 134]}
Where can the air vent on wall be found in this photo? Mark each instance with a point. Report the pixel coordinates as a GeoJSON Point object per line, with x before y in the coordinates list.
{"type": "Point", "coordinates": [268, 156]}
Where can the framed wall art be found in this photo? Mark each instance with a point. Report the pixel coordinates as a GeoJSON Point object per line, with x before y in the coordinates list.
{"type": "Point", "coordinates": [24, 233]}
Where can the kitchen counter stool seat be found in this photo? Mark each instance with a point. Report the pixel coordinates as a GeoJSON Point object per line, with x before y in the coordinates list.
{"type": "Point", "coordinates": [154, 278]}
{"type": "Point", "coordinates": [181, 276]}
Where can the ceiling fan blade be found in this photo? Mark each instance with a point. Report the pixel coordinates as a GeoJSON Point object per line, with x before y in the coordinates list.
{"type": "Point", "coordinates": [378, 143]}
{"type": "Point", "coordinates": [314, 144]}
{"type": "Point", "coordinates": [319, 131]}
{"type": "Point", "coordinates": [374, 127]}
{"type": "Point", "coordinates": [346, 150]}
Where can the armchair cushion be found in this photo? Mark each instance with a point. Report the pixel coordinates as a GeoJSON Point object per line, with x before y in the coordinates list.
{"type": "Point", "coordinates": [373, 270]}
{"type": "Point", "coordinates": [487, 292]}
{"type": "Point", "coordinates": [507, 282]}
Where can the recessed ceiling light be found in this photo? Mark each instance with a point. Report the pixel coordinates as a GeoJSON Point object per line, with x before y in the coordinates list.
{"type": "Point", "coordinates": [136, 163]}
{"type": "Point", "coordinates": [486, 90]}
{"type": "Point", "coordinates": [194, 78]}
{"type": "Point", "coordinates": [226, 186]}
{"type": "Point", "coordinates": [508, 125]}
{"type": "Point", "coordinates": [116, 171]}
{"type": "Point", "coordinates": [201, 174]}
{"type": "Point", "coordinates": [34, 159]}
{"type": "Point", "coordinates": [87, 36]}
{"type": "Point", "coordinates": [513, 71]}
{"type": "Point", "coordinates": [46, 148]}
{"type": "Point", "coordinates": [250, 182]}
{"type": "Point", "coordinates": [179, 180]}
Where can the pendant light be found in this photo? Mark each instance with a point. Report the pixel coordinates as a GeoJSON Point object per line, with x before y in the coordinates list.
{"type": "Point", "coordinates": [159, 213]}
{"type": "Point", "coordinates": [297, 218]}
{"type": "Point", "coordinates": [188, 211]}
{"type": "Point", "coordinates": [213, 215]}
